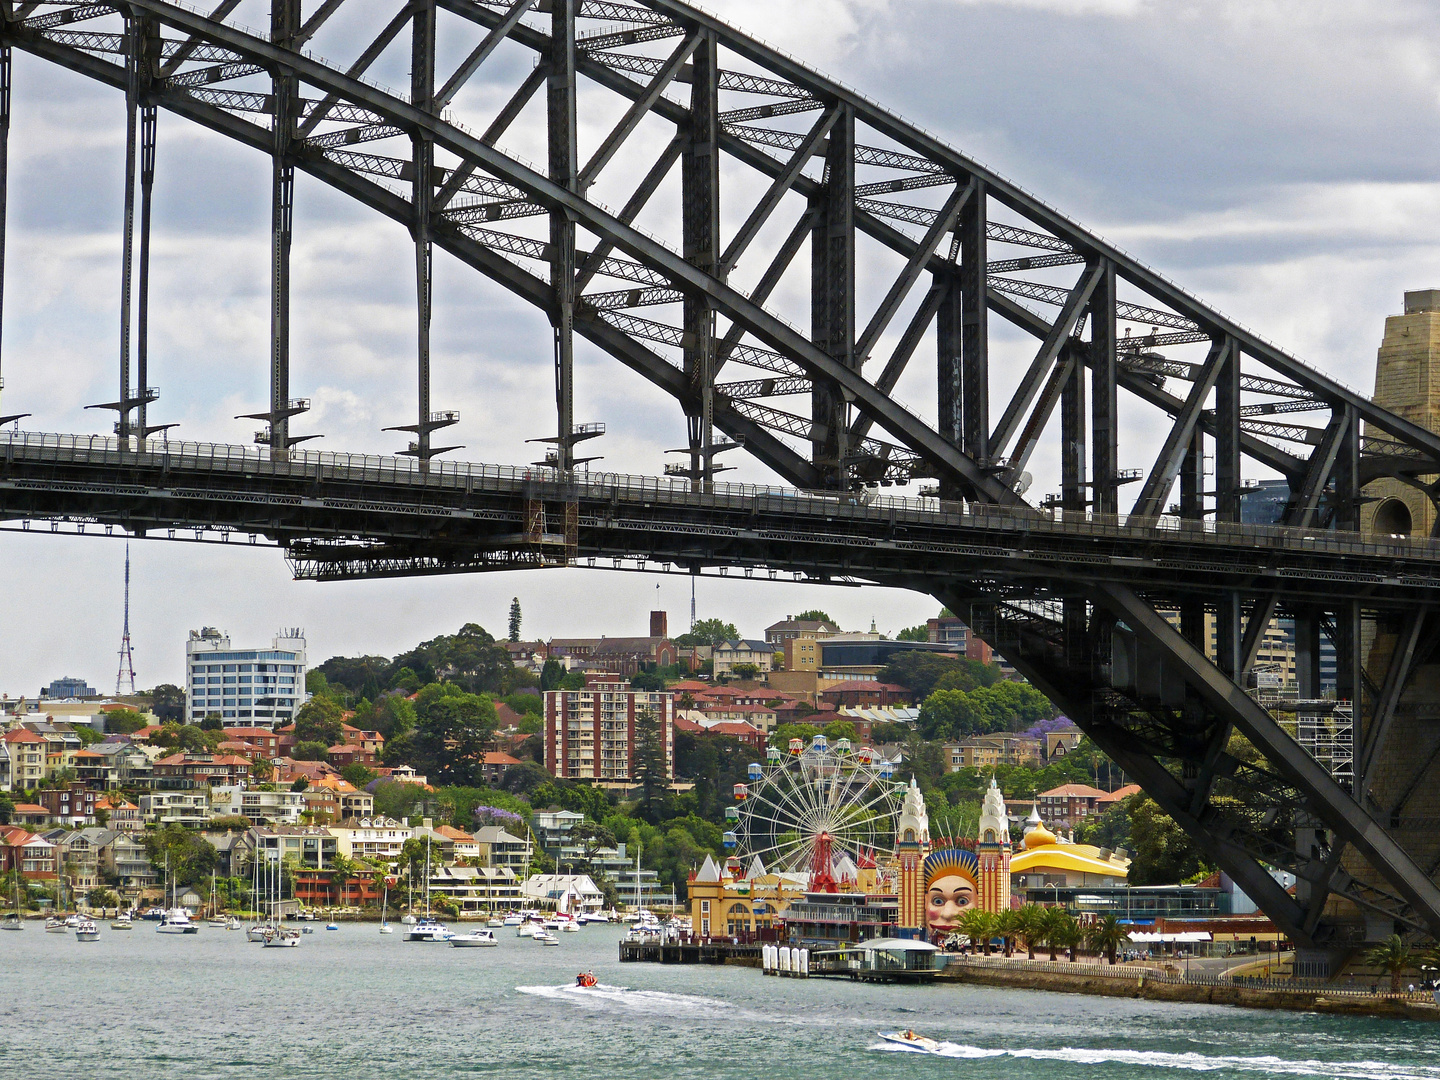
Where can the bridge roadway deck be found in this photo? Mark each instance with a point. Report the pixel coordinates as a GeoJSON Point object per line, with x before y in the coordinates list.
{"type": "Point", "coordinates": [346, 515]}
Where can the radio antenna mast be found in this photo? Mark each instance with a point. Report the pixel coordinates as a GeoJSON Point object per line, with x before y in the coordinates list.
{"type": "Point", "coordinates": [127, 658]}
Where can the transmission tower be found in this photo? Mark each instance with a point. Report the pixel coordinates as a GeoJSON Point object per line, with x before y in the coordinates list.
{"type": "Point", "coordinates": [127, 658]}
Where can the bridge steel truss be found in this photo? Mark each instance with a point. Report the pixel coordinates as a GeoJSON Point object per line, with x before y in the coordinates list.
{"type": "Point", "coordinates": [953, 244]}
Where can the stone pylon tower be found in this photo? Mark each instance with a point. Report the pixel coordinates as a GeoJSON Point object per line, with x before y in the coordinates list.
{"type": "Point", "coordinates": [992, 850]}
{"type": "Point", "coordinates": [912, 844]}
{"type": "Point", "coordinates": [1407, 382]}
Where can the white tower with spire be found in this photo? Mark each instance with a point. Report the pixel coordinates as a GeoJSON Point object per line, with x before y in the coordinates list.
{"type": "Point", "coordinates": [992, 852]}
{"type": "Point", "coordinates": [912, 844]}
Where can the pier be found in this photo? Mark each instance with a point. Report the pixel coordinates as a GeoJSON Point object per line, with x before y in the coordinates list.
{"type": "Point", "coordinates": [689, 951]}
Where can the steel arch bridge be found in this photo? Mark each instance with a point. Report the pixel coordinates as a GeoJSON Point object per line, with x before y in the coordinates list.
{"type": "Point", "coordinates": [1103, 601]}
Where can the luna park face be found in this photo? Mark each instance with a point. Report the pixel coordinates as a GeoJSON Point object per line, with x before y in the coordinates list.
{"type": "Point", "coordinates": [948, 899]}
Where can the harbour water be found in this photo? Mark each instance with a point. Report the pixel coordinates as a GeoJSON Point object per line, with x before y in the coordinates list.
{"type": "Point", "coordinates": [355, 1004]}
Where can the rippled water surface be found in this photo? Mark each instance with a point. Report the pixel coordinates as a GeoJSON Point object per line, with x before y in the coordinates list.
{"type": "Point", "coordinates": [352, 1003]}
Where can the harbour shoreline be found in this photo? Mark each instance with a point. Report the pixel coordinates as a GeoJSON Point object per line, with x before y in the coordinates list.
{"type": "Point", "coordinates": [1151, 985]}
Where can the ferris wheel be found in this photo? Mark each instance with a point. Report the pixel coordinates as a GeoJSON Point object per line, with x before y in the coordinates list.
{"type": "Point", "coordinates": [817, 798]}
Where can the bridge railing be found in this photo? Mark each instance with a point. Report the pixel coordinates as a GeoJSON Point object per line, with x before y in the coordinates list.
{"type": "Point", "coordinates": [550, 484]}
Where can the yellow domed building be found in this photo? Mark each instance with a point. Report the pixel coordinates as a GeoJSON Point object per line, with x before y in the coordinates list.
{"type": "Point", "coordinates": [1048, 861]}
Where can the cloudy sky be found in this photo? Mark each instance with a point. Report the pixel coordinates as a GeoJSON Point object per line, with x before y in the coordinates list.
{"type": "Point", "coordinates": [1279, 159]}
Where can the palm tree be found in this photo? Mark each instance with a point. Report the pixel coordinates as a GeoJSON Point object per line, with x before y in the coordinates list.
{"type": "Point", "coordinates": [1057, 922]}
{"type": "Point", "coordinates": [342, 869]}
{"type": "Point", "coordinates": [1106, 936]}
{"type": "Point", "coordinates": [1007, 925]}
{"type": "Point", "coordinates": [979, 927]}
{"type": "Point", "coordinates": [1031, 920]}
{"type": "Point", "coordinates": [1394, 956]}
{"type": "Point", "coordinates": [1066, 934]}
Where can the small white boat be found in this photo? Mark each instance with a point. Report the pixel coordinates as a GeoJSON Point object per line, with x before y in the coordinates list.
{"type": "Point", "coordinates": [256, 933]}
{"type": "Point", "coordinates": [55, 926]}
{"type": "Point", "coordinates": [177, 921]}
{"type": "Point", "coordinates": [233, 923]}
{"type": "Point", "coordinates": [571, 927]}
{"type": "Point", "coordinates": [332, 926]}
{"type": "Point", "coordinates": [12, 921]}
{"type": "Point", "coordinates": [427, 929]}
{"type": "Point", "coordinates": [386, 928]}
{"type": "Point", "coordinates": [278, 937]}
{"type": "Point", "coordinates": [122, 922]}
{"type": "Point", "coordinates": [912, 1041]}
{"type": "Point", "coordinates": [479, 939]}
{"type": "Point", "coordinates": [307, 929]}
{"type": "Point", "coordinates": [495, 924]}
{"type": "Point", "coordinates": [85, 930]}
{"type": "Point", "coordinates": [544, 937]}
{"type": "Point", "coordinates": [512, 920]}
{"type": "Point", "coordinates": [528, 929]}
{"type": "Point", "coordinates": [408, 920]}
{"type": "Point", "coordinates": [218, 920]}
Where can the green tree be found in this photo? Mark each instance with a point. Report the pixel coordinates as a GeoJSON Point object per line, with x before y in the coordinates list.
{"type": "Point", "coordinates": [301, 783]}
{"type": "Point", "coordinates": [914, 633]}
{"type": "Point", "coordinates": [979, 926]}
{"type": "Point", "coordinates": [125, 721]}
{"type": "Point", "coordinates": [709, 632]}
{"type": "Point", "coordinates": [1106, 936]}
{"type": "Point", "coordinates": [343, 870]}
{"type": "Point", "coordinates": [745, 671]}
{"type": "Point", "coordinates": [310, 750]}
{"type": "Point", "coordinates": [451, 736]}
{"type": "Point", "coordinates": [318, 720]}
{"type": "Point", "coordinates": [816, 615]}
{"type": "Point", "coordinates": [394, 716]}
{"type": "Point", "coordinates": [7, 808]}
{"type": "Point", "coordinates": [1164, 853]}
{"type": "Point", "coordinates": [551, 675]}
{"type": "Point", "coordinates": [841, 729]}
{"type": "Point", "coordinates": [470, 658]}
{"type": "Point", "coordinates": [1066, 934]}
{"type": "Point", "coordinates": [357, 774]}
{"type": "Point", "coordinates": [191, 856]}
{"type": "Point", "coordinates": [358, 676]}
{"type": "Point", "coordinates": [167, 702]}
{"type": "Point", "coordinates": [1032, 927]}
{"type": "Point", "coordinates": [515, 619]}
{"type": "Point", "coordinates": [651, 768]}
{"type": "Point", "coordinates": [1057, 927]}
{"type": "Point", "coordinates": [1392, 956]}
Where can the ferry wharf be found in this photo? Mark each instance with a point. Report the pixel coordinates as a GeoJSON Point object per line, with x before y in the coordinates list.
{"type": "Point", "coordinates": [681, 950]}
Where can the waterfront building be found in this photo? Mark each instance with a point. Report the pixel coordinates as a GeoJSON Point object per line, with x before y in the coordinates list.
{"type": "Point", "coordinates": [498, 847]}
{"type": "Point", "coordinates": [79, 858]}
{"type": "Point", "coordinates": [791, 628]}
{"type": "Point", "coordinates": [120, 814]}
{"type": "Point", "coordinates": [181, 772]}
{"type": "Point", "coordinates": [1046, 862]}
{"type": "Point", "coordinates": [310, 846]}
{"type": "Point", "coordinates": [989, 751]}
{"type": "Point", "coordinates": [746, 901]}
{"type": "Point", "coordinates": [68, 687]}
{"type": "Point", "coordinates": [823, 918]}
{"type": "Point", "coordinates": [106, 766]}
{"type": "Point", "coordinates": [333, 798]}
{"type": "Point", "coordinates": [124, 859]}
{"type": "Point", "coordinates": [594, 733]}
{"type": "Point", "coordinates": [32, 855]}
{"type": "Point", "coordinates": [992, 852]}
{"type": "Point", "coordinates": [547, 891]}
{"type": "Point", "coordinates": [235, 800]}
{"type": "Point", "coordinates": [727, 654]}
{"type": "Point", "coordinates": [190, 808]}
{"type": "Point", "coordinates": [245, 687]}
{"type": "Point", "coordinates": [477, 890]}
{"type": "Point", "coordinates": [912, 844]}
{"type": "Point", "coordinates": [948, 630]}
{"type": "Point", "coordinates": [371, 838]}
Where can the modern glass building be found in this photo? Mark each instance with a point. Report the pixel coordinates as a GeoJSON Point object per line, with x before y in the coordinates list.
{"type": "Point", "coordinates": [244, 687]}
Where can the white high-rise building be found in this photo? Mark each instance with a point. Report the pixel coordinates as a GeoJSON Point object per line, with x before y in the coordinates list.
{"type": "Point", "coordinates": [246, 687]}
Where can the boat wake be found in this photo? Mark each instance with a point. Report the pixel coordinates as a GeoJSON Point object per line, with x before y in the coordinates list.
{"type": "Point", "coordinates": [605, 996]}
{"type": "Point", "coordinates": [1191, 1062]}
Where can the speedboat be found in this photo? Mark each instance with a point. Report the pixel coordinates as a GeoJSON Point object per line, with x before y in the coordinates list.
{"type": "Point", "coordinates": [479, 939]}
{"type": "Point", "coordinates": [427, 929]}
{"type": "Point", "coordinates": [495, 924]}
{"type": "Point", "coordinates": [177, 921]}
{"type": "Point", "coordinates": [544, 937]}
{"type": "Point", "coordinates": [85, 930]}
{"type": "Point", "coordinates": [55, 926]}
{"type": "Point", "coordinates": [586, 979]}
{"type": "Point", "coordinates": [332, 926]}
{"type": "Point", "coordinates": [571, 926]}
{"type": "Point", "coordinates": [122, 922]}
{"type": "Point", "coordinates": [912, 1040]}
{"type": "Point", "coordinates": [307, 929]}
{"type": "Point", "coordinates": [512, 920]}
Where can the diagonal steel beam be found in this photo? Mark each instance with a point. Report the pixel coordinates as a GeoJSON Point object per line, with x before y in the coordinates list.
{"type": "Point", "coordinates": [480, 54]}
{"type": "Point", "coordinates": [1401, 662]}
{"type": "Point", "coordinates": [1053, 338]}
{"type": "Point", "coordinates": [318, 18]}
{"type": "Point", "coordinates": [782, 184]}
{"type": "Point", "coordinates": [188, 46]}
{"type": "Point", "coordinates": [904, 350]}
{"type": "Point", "coordinates": [900, 287]}
{"type": "Point", "coordinates": [456, 181]}
{"type": "Point", "coordinates": [1151, 501]}
{"type": "Point", "coordinates": [359, 67]}
{"type": "Point", "coordinates": [637, 111]}
{"type": "Point", "coordinates": [766, 285]}
{"type": "Point", "coordinates": [663, 164]}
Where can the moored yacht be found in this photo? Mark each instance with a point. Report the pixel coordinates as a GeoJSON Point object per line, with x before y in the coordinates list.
{"type": "Point", "coordinates": [427, 929]}
{"type": "Point", "coordinates": [177, 921]}
{"type": "Point", "coordinates": [122, 922]}
{"type": "Point", "coordinates": [478, 939]}
{"type": "Point", "coordinates": [86, 930]}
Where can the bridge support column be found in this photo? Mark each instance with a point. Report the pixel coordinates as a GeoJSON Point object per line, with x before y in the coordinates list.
{"type": "Point", "coordinates": [949, 372]}
{"type": "Point", "coordinates": [284, 26]}
{"type": "Point", "coordinates": [975, 329]}
{"type": "Point", "coordinates": [832, 298]}
{"type": "Point", "coordinates": [700, 228]}
{"type": "Point", "coordinates": [422, 94]}
{"type": "Point", "coordinates": [142, 312]}
{"type": "Point", "coordinates": [1072, 440]}
{"type": "Point", "coordinates": [5, 64]}
{"type": "Point", "coordinates": [564, 169]}
{"type": "Point", "coordinates": [1104, 423]}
